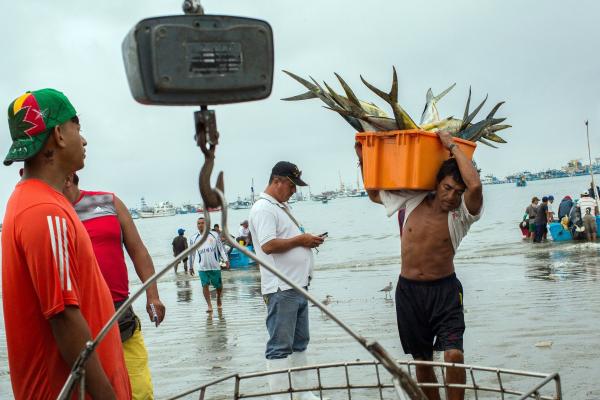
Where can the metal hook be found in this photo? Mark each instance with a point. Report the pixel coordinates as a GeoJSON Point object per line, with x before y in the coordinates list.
{"type": "Point", "coordinates": [207, 138]}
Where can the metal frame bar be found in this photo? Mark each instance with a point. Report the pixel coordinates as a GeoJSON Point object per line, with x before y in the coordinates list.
{"type": "Point", "coordinates": [347, 385]}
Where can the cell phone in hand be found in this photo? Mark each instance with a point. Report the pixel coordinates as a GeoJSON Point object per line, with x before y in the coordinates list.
{"type": "Point", "coordinates": [324, 235]}
{"type": "Point", "coordinates": [154, 314]}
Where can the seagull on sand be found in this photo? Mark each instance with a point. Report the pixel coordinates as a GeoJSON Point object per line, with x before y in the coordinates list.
{"type": "Point", "coordinates": [387, 290]}
{"type": "Point", "coordinates": [325, 301]}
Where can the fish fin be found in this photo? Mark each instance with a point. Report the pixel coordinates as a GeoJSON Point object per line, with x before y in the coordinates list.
{"type": "Point", "coordinates": [334, 95]}
{"type": "Point", "coordinates": [402, 117]}
{"type": "Point", "coordinates": [428, 99]}
{"type": "Point", "coordinates": [347, 104]}
{"type": "Point", "coordinates": [496, 107]}
{"type": "Point", "coordinates": [347, 115]}
{"type": "Point", "coordinates": [478, 130]}
{"type": "Point", "coordinates": [304, 96]}
{"type": "Point", "coordinates": [339, 110]}
{"type": "Point", "coordinates": [466, 114]}
{"type": "Point", "coordinates": [314, 88]}
{"type": "Point", "coordinates": [324, 96]}
{"type": "Point", "coordinates": [394, 90]}
{"type": "Point", "coordinates": [471, 132]}
{"type": "Point", "coordinates": [378, 92]}
{"type": "Point", "coordinates": [319, 87]}
{"type": "Point", "coordinates": [445, 92]}
{"type": "Point", "coordinates": [429, 96]}
{"type": "Point", "coordinates": [403, 120]}
{"type": "Point", "coordinates": [495, 121]}
{"type": "Point", "coordinates": [496, 128]}
{"type": "Point", "coordinates": [482, 140]}
{"type": "Point", "coordinates": [492, 136]}
{"type": "Point", "coordinates": [349, 93]}
{"type": "Point", "coordinates": [472, 115]}
{"type": "Point", "coordinates": [300, 80]}
{"type": "Point", "coordinates": [378, 123]}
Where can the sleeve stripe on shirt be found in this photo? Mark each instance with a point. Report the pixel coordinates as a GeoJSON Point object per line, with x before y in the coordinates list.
{"type": "Point", "coordinates": [61, 259]}
{"type": "Point", "coordinates": [66, 243]}
{"type": "Point", "coordinates": [60, 243]}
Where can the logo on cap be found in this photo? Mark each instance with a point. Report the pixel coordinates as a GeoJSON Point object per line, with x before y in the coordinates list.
{"type": "Point", "coordinates": [28, 118]}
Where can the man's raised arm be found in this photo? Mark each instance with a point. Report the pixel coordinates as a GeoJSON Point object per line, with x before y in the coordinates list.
{"type": "Point", "coordinates": [474, 193]}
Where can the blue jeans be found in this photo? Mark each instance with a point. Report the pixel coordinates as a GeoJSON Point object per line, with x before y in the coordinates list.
{"type": "Point", "coordinates": [540, 229]}
{"type": "Point", "coordinates": [287, 323]}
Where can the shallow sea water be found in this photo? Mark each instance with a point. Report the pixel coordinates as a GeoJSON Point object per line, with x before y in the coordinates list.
{"type": "Point", "coordinates": [515, 295]}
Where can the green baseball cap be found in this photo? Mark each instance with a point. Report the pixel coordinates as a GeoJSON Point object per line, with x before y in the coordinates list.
{"type": "Point", "coordinates": [30, 119]}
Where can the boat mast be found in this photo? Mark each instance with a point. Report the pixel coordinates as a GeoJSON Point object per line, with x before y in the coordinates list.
{"type": "Point", "coordinates": [594, 188]}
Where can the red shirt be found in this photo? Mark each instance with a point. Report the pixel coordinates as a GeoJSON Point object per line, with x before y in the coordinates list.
{"type": "Point", "coordinates": [48, 263]}
{"type": "Point", "coordinates": [98, 213]}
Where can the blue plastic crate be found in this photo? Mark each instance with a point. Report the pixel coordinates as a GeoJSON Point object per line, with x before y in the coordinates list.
{"type": "Point", "coordinates": [559, 234]}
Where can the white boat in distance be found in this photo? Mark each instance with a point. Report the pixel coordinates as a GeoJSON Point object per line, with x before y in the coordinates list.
{"type": "Point", "coordinates": [162, 209]}
{"type": "Point", "coordinates": [240, 204]}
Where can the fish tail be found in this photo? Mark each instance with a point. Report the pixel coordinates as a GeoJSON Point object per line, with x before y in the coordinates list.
{"type": "Point", "coordinates": [304, 96]}
{"type": "Point", "coordinates": [445, 92]}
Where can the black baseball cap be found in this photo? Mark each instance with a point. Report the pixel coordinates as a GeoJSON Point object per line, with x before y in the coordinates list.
{"type": "Point", "coordinates": [289, 170]}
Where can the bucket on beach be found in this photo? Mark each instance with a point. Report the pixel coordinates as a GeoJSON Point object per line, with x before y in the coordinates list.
{"type": "Point", "coordinates": [407, 159]}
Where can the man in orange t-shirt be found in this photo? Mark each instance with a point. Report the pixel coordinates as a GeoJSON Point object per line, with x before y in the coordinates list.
{"type": "Point", "coordinates": [54, 296]}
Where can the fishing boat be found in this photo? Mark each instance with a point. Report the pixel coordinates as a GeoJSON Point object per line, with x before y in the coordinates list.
{"type": "Point", "coordinates": [240, 204]}
{"type": "Point", "coordinates": [238, 260]}
{"type": "Point", "coordinates": [162, 209]}
{"type": "Point", "coordinates": [134, 213]}
{"type": "Point", "coordinates": [181, 211]}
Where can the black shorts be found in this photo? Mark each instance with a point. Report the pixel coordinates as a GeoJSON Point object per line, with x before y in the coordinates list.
{"type": "Point", "coordinates": [430, 315]}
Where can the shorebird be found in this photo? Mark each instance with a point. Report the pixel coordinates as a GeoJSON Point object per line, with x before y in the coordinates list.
{"type": "Point", "coordinates": [325, 301]}
{"type": "Point", "coordinates": [387, 290]}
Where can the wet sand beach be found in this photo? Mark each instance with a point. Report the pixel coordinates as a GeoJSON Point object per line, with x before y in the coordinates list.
{"type": "Point", "coordinates": [515, 295]}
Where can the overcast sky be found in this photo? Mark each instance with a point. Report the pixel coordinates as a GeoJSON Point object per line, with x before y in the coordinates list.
{"type": "Point", "coordinates": [540, 57]}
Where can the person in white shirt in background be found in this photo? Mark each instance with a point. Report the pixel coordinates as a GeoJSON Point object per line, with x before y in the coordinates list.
{"type": "Point", "coordinates": [280, 240]}
{"type": "Point", "coordinates": [589, 209]}
{"type": "Point", "coordinates": [207, 257]}
{"type": "Point", "coordinates": [244, 233]}
{"type": "Point", "coordinates": [551, 208]}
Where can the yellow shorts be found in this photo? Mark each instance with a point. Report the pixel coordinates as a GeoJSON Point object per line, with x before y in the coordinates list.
{"type": "Point", "coordinates": [136, 359]}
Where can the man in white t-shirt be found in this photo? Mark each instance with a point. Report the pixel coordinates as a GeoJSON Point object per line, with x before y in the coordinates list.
{"type": "Point", "coordinates": [208, 260]}
{"type": "Point", "coordinates": [429, 297]}
{"type": "Point", "coordinates": [280, 240]}
{"type": "Point", "coordinates": [550, 208]}
{"type": "Point", "coordinates": [589, 210]}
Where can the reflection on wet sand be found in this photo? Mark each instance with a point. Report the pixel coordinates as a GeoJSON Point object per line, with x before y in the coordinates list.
{"type": "Point", "coordinates": [216, 331]}
{"type": "Point", "coordinates": [572, 261]}
{"type": "Point", "coordinates": [184, 291]}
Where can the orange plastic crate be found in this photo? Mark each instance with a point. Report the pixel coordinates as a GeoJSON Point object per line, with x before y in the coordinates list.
{"type": "Point", "coordinates": [404, 159]}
